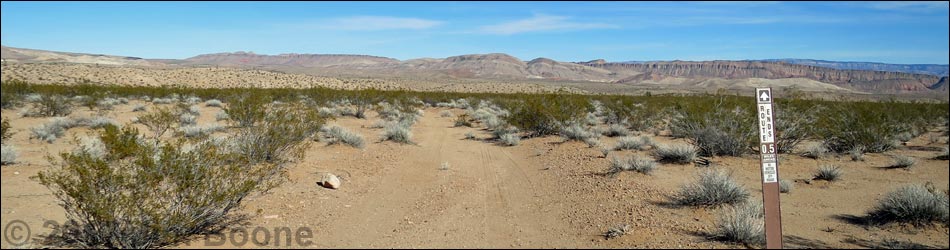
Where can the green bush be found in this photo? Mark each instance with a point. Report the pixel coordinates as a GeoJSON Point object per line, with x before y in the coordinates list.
{"type": "Point", "coordinates": [542, 115]}
{"type": "Point", "coordinates": [247, 110]}
{"type": "Point", "coordinates": [53, 105]}
{"type": "Point", "coordinates": [724, 130]}
{"type": "Point", "coordinates": [159, 121]}
{"type": "Point", "coordinates": [149, 195]}
{"type": "Point", "coordinates": [280, 136]}
{"type": "Point", "coordinates": [5, 131]}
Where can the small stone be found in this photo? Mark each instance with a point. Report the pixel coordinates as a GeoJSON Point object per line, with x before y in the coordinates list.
{"type": "Point", "coordinates": [329, 181]}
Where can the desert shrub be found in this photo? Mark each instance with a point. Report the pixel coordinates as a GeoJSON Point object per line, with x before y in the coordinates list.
{"type": "Point", "coordinates": [816, 151]}
{"type": "Point", "coordinates": [828, 173]}
{"type": "Point", "coordinates": [463, 120]}
{"type": "Point", "coordinates": [470, 136]}
{"type": "Point", "coordinates": [138, 108]}
{"type": "Point", "coordinates": [328, 112]}
{"type": "Point", "coordinates": [213, 103]}
{"type": "Point", "coordinates": [676, 153]}
{"type": "Point", "coordinates": [635, 164]}
{"type": "Point", "coordinates": [193, 100]}
{"type": "Point", "coordinates": [903, 162]}
{"type": "Point", "coordinates": [336, 134]}
{"type": "Point", "coordinates": [52, 105]}
{"type": "Point", "coordinates": [91, 145]}
{"type": "Point", "coordinates": [100, 122]}
{"type": "Point", "coordinates": [945, 156]}
{"type": "Point", "coordinates": [630, 143]}
{"type": "Point", "coordinates": [510, 139]}
{"type": "Point", "coordinates": [593, 142]}
{"type": "Point", "coordinates": [617, 231]}
{"type": "Point", "coordinates": [794, 124]}
{"type": "Point", "coordinates": [5, 131]}
{"type": "Point", "coordinates": [194, 131]}
{"type": "Point", "coordinates": [397, 133]}
{"type": "Point", "coordinates": [857, 153]}
{"type": "Point", "coordinates": [163, 101]}
{"type": "Point", "coordinates": [247, 110]}
{"type": "Point", "coordinates": [158, 121]}
{"type": "Point", "coordinates": [52, 130]}
{"type": "Point", "coordinates": [858, 125]}
{"type": "Point", "coordinates": [8, 155]}
{"type": "Point", "coordinates": [187, 119]}
{"type": "Point", "coordinates": [151, 196]}
{"type": "Point", "coordinates": [280, 136]}
{"type": "Point", "coordinates": [711, 188]}
{"type": "Point", "coordinates": [222, 116]}
{"type": "Point", "coordinates": [446, 113]}
{"type": "Point", "coordinates": [542, 115]}
{"type": "Point", "coordinates": [576, 132]}
{"type": "Point", "coordinates": [720, 131]}
{"type": "Point", "coordinates": [744, 224]}
{"type": "Point", "coordinates": [913, 204]}
{"type": "Point", "coordinates": [615, 130]}
{"type": "Point", "coordinates": [785, 186]}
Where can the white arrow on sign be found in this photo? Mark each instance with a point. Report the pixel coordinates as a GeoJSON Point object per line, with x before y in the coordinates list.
{"type": "Point", "coordinates": [764, 97]}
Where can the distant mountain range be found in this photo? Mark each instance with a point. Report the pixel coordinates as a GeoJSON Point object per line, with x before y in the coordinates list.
{"type": "Point", "coordinates": [809, 75]}
{"type": "Point", "coordinates": [927, 69]}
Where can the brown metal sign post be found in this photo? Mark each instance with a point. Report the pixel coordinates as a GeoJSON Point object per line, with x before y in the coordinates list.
{"type": "Point", "coordinates": [770, 186]}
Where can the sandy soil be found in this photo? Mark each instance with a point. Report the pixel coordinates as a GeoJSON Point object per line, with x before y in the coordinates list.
{"type": "Point", "coordinates": [540, 194]}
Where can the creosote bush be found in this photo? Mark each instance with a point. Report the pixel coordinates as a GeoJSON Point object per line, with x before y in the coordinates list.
{"type": "Point", "coordinates": [247, 110]}
{"type": "Point", "coordinates": [159, 121]}
{"type": "Point", "coordinates": [280, 136]}
{"type": "Point", "coordinates": [711, 188]}
{"type": "Point", "coordinates": [150, 195]}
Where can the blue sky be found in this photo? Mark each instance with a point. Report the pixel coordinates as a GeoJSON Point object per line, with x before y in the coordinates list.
{"type": "Point", "coordinates": [891, 32]}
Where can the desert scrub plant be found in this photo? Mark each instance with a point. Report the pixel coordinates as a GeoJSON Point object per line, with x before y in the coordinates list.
{"type": "Point", "coordinates": [51, 106]}
{"type": "Point", "coordinates": [542, 115]}
{"type": "Point", "coordinates": [52, 130]}
{"type": "Point", "coordinates": [614, 130]}
{"type": "Point", "coordinates": [158, 121]}
{"type": "Point", "coordinates": [446, 113]}
{"type": "Point", "coordinates": [722, 131]}
{"type": "Point", "coordinates": [463, 120]}
{"type": "Point", "coordinates": [903, 162]}
{"type": "Point", "coordinates": [336, 134]}
{"type": "Point", "coordinates": [194, 131]}
{"type": "Point", "coordinates": [675, 153]}
{"type": "Point", "coordinates": [828, 173]}
{"type": "Point", "coordinates": [138, 108]}
{"type": "Point", "coordinates": [945, 156]}
{"type": "Point", "coordinates": [576, 132]}
{"type": "Point", "coordinates": [617, 231]}
{"type": "Point", "coordinates": [187, 119]}
{"type": "Point", "coordinates": [222, 116]}
{"type": "Point", "coordinates": [711, 188]}
{"type": "Point", "coordinates": [8, 155]}
{"type": "Point", "coordinates": [397, 133]}
{"type": "Point", "coordinates": [470, 136]}
{"type": "Point", "coordinates": [743, 224]}
{"type": "Point", "coordinates": [510, 139]}
{"type": "Point", "coordinates": [785, 186]}
{"type": "Point", "coordinates": [793, 124]}
{"type": "Point", "coordinates": [5, 131]}
{"type": "Point", "coordinates": [281, 136]}
{"type": "Point", "coordinates": [634, 163]}
{"type": "Point", "coordinates": [815, 151]}
{"type": "Point", "coordinates": [914, 204]}
{"type": "Point", "coordinates": [630, 143]}
{"type": "Point", "coordinates": [100, 122]}
{"type": "Point", "coordinates": [861, 125]}
{"type": "Point", "coordinates": [247, 110]}
{"type": "Point", "coordinates": [144, 195]}
{"type": "Point", "coordinates": [213, 103]}
{"type": "Point", "coordinates": [857, 153]}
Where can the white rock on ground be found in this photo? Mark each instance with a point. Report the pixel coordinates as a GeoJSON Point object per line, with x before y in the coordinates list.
{"type": "Point", "coordinates": [329, 181]}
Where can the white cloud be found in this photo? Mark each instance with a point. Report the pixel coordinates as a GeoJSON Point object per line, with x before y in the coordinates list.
{"type": "Point", "coordinates": [911, 6]}
{"type": "Point", "coordinates": [370, 23]}
{"type": "Point", "coordinates": [541, 23]}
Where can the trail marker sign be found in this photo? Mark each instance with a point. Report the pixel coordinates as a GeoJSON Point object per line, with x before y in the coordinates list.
{"type": "Point", "coordinates": [769, 164]}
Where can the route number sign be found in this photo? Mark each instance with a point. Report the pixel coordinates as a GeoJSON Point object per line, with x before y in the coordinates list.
{"type": "Point", "coordinates": [769, 166]}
